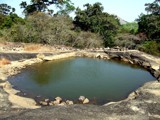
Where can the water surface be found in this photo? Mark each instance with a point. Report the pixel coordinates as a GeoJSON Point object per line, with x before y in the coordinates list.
{"type": "Point", "coordinates": [70, 78]}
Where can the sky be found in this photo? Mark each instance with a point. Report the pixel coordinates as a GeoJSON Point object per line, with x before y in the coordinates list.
{"type": "Point", "coordinates": [129, 10]}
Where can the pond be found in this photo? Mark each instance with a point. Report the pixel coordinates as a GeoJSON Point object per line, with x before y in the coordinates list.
{"type": "Point", "coordinates": [99, 80]}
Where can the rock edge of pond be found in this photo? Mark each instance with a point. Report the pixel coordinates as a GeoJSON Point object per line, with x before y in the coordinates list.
{"type": "Point", "coordinates": [144, 103]}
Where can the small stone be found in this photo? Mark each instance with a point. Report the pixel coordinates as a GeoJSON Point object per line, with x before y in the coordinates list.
{"type": "Point", "coordinates": [55, 102]}
{"type": "Point", "coordinates": [46, 100]}
{"type": "Point", "coordinates": [131, 62]}
{"type": "Point", "coordinates": [59, 99]}
{"type": "Point", "coordinates": [81, 98]}
{"type": "Point", "coordinates": [62, 104]}
{"type": "Point", "coordinates": [86, 101]}
{"type": "Point", "coordinates": [50, 104]}
{"type": "Point", "coordinates": [69, 102]}
{"type": "Point", "coordinates": [43, 103]}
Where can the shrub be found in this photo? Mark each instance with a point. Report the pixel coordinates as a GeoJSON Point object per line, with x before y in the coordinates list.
{"type": "Point", "coordinates": [129, 28]}
{"type": "Point", "coordinates": [151, 47]}
{"type": "Point", "coordinates": [127, 40]}
{"type": "Point", "coordinates": [88, 40]}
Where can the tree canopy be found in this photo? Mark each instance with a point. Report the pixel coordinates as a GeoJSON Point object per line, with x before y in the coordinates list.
{"type": "Point", "coordinates": [95, 20]}
{"type": "Point", "coordinates": [65, 6]}
{"type": "Point", "coordinates": [6, 9]}
{"type": "Point", "coordinates": [150, 24]}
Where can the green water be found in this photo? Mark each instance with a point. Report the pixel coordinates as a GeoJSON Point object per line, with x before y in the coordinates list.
{"type": "Point", "coordinates": [70, 78]}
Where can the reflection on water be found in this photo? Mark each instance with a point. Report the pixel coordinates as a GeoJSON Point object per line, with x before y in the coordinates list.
{"type": "Point", "coordinates": [70, 78]}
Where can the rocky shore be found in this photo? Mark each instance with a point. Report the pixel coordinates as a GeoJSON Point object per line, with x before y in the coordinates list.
{"type": "Point", "coordinates": [142, 104]}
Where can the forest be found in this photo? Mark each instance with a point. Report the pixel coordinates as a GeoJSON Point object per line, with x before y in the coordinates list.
{"type": "Point", "coordinates": [91, 27]}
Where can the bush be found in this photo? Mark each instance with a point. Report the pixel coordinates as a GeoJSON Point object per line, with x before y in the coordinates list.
{"type": "Point", "coordinates": [129, 28]}
{"type": "Point", "coordinates": [127, 40]}
{"type": "Point", "coordinates": [88, 40]}
{"type": "Point", "coordinates": [42, 28]}
{"type": "Point", "coordinates": [151, 47]}
{"type": "Point", "coordinates": [10, 20]}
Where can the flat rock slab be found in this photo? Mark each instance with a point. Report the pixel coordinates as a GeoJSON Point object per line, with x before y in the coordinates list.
{"type": "Point", "coordinates": [4, 102]}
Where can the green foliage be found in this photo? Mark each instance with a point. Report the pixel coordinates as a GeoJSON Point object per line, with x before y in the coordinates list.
{"type": "Point", "coordinates": [9, 20]}
{"type": "Point", "coordinates": [129, 28]}
{"type": "Point", "coordinates": [2, 17]}
{"type": "Point", "coordinates": [153, 8]}
{"type": "Point", "coordinates": [65, 6]}
{"type": "Point", "coordinates": [42, 28]}
{"type": "Point", "coordinates": [150, 24]}
{"type": "Point", "coordinates": [93, 19]}
{"type": "Point", "coordinates": [151, 47]}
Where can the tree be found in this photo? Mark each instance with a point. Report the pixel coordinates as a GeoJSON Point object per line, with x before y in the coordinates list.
{"type": "Point", "coordinates": [6, 9]}
{"type": "Point", "coordinates": [153, 8]}
{"type": "Point", "coordinates": [150, 24]}
{"type": "Point", "coordinates": [42, 6]}
{"type": "Point", "coordinates": [10, 20]}
{"type": "Point", "coordinates": [95, 20]}
{"type": "Point", "coordinates": [6, 15]}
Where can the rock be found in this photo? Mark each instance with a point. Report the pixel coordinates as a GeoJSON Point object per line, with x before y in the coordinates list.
{"type": "Point", "coordinates": [106, 57]}
{"type": "Point", "coordinates": [101, 56]}
{"type": "Point", "coordinates": [158, 79]}
{"type": "Point", "coordinates": [7, 85]}
{"type": "Point", "coordinates": [81, 98]}
{"type": "Point", "coordinates": [43, 103]}
{"type": "Point", "coordinates": [62, 104]}
{"type": "Point", "coordinates": [124, 59]}
{"type": "Point", "coordinates": [40, 56]}
{"type": "Point", "coordinates": [86, 101]}
{"type": "Point", "coordinates": [98, 55]}
{"type": "Point", "coordinates": [155, 66]}
{"type": "Point", "coordinates": [69, 102]}
{"type": "Point", "coordinates": [47, 100]}
{"type": "Point", "coordinates": [146, 64]}
{"type": "Point", "coordinates": [157, 74]}
{"type": "Point", "coordinates": [55, 102]}
{"type": "Point", "coordinates": [114, 56]}
{"type": "Point", "coordinates": [58, 99]}
{"type": "Point", "coordinates": [136, 61]}
{"type": "Point", "coordinates": [50, 104]}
